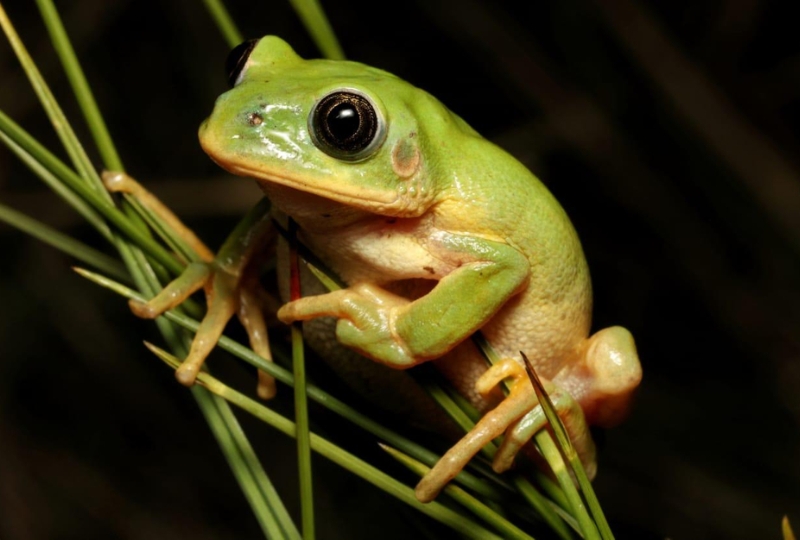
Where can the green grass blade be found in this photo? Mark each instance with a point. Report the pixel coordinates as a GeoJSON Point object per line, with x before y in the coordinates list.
{"type": "Point", "coordinates": [59, 121]}
{"type": "Point", "coordinates": [224, 22]}
{"type": "Point", "coordinates": [80, 86]}
{"type": "Point", "coordinates": [95, 122]}
{"type": "Point", "coordinates": [316, 22]}
{"type": "Point", "coordinates": [489, 516]}
{"type": "Point", "coordinates": [555, 517]}
{"type": "Point", "coordinates": [566, 448]}
{"type": "Point", "coordinates": [100, 203]}
{"type": "Point", "coordinates": [530, 493]}
{"type": "Point", "coordinates": [436, 510]}
{"type": "Point", "coordinates": [268, 508]}
{"type": "Point", "coordinates": [318, 395]}
{"type": "Point", "coordinates": [300, 397]}
{"type": "Point", "coordinates": [58, 187]}
{"type": "Point", "coordinates": [65, 243]}
{"type": "Point", "coordinates": [446, 402]}
{"type": "Point", "coordinates": [131, 224]}
{"type": "Point", "coordinates": [551, 453]}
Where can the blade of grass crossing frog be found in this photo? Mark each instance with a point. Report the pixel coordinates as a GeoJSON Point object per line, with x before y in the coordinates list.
{"type": "Point", "coordinates": [219, 13]}
{"type": "Point", "coordinates": [318, 395]}
{"type": "Point", "coordinates": [545, 507]}
{"type": "Point", "coordinates": [249, 474]}
{"type": "Point", "coordinates": [300, 397]}
{"type": "Point", "coordinates": [533, 495]}
{"type": "Point", "coordinates": [317, 25]}
{"type": "Point", "coordinates": [566, 449]}
{"type": "Point", "coordinates": [565, 445]}
{"type": "Point", "coordinates": [459, 410]}
{"type": "Point", "coordinates": [448, 517]}
{"type": "Point", "coordinates": [489, 516]}
{"type": "Point", "coordinates": [314, 263]}
{"type": "Point", "coordinates": [445, 401]}
{"type": "Point", "coordinates": [65, 243]}
{"type": "Point", "coordinates": [479, 486]}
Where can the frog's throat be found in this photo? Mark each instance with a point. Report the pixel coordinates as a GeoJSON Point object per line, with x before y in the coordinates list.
{"type": "Point", "coordinates": [376, 201]}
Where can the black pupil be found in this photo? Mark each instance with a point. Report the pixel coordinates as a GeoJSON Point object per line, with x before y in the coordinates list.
{"type": "Point", "coordinates": [343, 121]}
{"type": "Point", "coordinates": [344, 124]}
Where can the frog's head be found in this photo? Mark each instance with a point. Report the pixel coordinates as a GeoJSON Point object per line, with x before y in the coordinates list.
{"type": "Point", "coordinates": [335, 130]}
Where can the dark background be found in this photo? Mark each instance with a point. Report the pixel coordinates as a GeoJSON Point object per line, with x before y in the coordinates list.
{"type": "Point", "coordinates": [667, 129]}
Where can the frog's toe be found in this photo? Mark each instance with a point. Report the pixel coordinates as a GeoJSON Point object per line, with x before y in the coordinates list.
{"type": "Point", "coordinates": [192, 279]}
{"type": "Point", "coordinates": [517, 436]}
{"type": "Point", "coordinates": [143, 310]}
{"type": "Point", "coordinates": [187, 373]}
{"type": "Point", "coordinates": [311, 307]}
{"type": "Point", "coordinates": [507, 368]}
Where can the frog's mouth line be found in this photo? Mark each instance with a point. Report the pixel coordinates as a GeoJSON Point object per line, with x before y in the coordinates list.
{"type": "Point", "coordinates": [369, 200]}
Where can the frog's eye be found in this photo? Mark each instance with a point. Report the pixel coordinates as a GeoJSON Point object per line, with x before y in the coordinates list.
{"type": "Point", "coordinates": [237, 59]}
{"type": "Point", "coordinates": [346, 125]}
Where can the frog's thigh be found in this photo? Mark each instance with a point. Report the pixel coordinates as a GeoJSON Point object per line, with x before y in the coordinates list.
{"type": "Point", "coordinates": [614, 372]}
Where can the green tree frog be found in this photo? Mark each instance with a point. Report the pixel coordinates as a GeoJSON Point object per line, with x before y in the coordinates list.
{"type": "Point", "coordinates": [437, 232]}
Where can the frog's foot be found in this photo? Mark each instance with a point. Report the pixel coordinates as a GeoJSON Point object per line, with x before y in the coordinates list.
{"type": "Point", "coordinates": [366, 321]}
{"type": "Point", "coordinates": [231, 286]}
{"type": "Point", "coordinates": [251, 315]}
{"type": "Point", "coordinates": [520, 417]}
{"type": "Point", "coordinates": [226, 293]}
{"type": "Point", "coordinates": [608, 375]}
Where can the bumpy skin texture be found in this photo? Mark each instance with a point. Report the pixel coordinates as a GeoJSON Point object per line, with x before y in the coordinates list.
{"type": "Point", "coordinates": [438, 233]}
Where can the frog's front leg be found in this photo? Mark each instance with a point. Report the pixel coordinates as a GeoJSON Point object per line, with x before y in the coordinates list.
{"type": "Point", "coordinates": [229, 280]}
{"type": "Point", "coordinates": [402, 333]}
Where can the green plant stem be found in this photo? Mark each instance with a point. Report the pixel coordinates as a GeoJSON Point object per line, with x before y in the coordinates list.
{"type": "Point", "coordinates": [59, 121]}
{"type": "Point", "coordinates": [554, 519]}
{"type": "Point", "coordinates": [489, 516]}
{"type": "Point", "coordinates": [98, 202]}
{"type": "Point", "coordinates": [65, 243]}
{"type": "Point", "coordinates": [256, 486]}
{"type": "Point", "coordinates": [568, 451]}
{"type": "Point", "coordinates": [319, 396]}
{"type": "Point", "coordinates": [82, 90]}
{"type": "Point", "coordinates": [459, 523]}
{"type": "Point", "coordinates": [552, 454]}
{"type": "Point", "coordinates": [218, 12]}
{"type": "Point", "coordinates": [58, 187]}
{"type": "Point", "coordinates": [315, 21]}
{"type": "Point", "coordinates": [300, 396]}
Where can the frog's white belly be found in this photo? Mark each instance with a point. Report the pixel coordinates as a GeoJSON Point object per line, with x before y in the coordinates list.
{"type": "Point", "coordinates": [547, 321]}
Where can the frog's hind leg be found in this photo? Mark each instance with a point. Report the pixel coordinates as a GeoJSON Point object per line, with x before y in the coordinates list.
{"type": "Point", "coordinates": [490, 426]}
{"type": "Point", "coordinates": [520, 417]}
{"type": "Point", "coordinates": [230, 281]}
